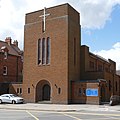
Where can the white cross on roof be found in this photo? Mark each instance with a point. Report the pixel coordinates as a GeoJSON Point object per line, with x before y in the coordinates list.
{"type": "Point", "coordinates": [44, 20]}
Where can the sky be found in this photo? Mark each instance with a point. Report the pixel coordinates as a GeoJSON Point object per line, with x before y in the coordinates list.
{"type": "Point", "coordinates": [99, 20]}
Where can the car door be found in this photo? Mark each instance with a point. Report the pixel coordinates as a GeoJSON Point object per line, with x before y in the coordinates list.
{"type": "Point", "coordinates": [6, 99]}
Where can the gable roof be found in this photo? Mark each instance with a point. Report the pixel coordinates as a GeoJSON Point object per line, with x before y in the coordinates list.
{"type": "Point", "coordinates": [12, 49]}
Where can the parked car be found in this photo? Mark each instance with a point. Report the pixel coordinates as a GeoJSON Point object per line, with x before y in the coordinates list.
{"type": "Point", "coordinates": [11, 98]}
{"type": "Point", "coordinates": [114, 100]}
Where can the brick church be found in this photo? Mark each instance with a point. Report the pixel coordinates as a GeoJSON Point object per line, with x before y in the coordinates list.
{"type": "Point", "coordinates": [54, 68]}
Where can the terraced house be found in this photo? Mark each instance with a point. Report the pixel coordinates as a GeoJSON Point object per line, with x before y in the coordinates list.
{"type": "Point", "coordinates": [11, 64]}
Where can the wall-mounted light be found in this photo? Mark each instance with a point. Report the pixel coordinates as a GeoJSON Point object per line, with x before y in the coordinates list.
{"type": "Point", "coordinates": [33, 86]}
{"type": "Point", "coordinates": [55, 85]}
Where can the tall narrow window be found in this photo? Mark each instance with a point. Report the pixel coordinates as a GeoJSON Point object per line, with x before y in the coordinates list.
{"type": "Point", "coordinates": [59, 90]}
{"type": "Point", "coordinates": [74, 50]}
{"type": "Point", "coordinates": [48, 51]}
{"type": "Point", "coordinates": [39, 51]}
{"type": "Point", "coordinates": [5, 70]}
{"type": "Point", "coordinates": [116, 85]}
{"type": "Point", "coordinates": [43, 26]}
{"type": "Point", "coordinates": [109, 85]}
{"type": "Point", "coordinates": [28, 90]}
{"type": "Point", "coordinates": [43, 51]}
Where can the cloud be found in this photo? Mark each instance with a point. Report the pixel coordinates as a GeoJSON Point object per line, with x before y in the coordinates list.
{"type": "Point", "coordinates": [112, 54]}
{"type": "Point", "coordinates": [11, 21]}
{"type": "Point", "coordinates": [93, 13]}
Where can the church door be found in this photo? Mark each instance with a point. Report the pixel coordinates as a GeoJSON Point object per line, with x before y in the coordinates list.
{"type": "Point", "coordinates": [46, 92]}
{"type": "Point", "coordinates": [103, 93]}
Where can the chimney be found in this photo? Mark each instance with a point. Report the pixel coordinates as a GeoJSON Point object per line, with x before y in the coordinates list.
{"type": "Point", "coordinates": [8, 40]}
{"type": "Point", "coordinates": [15, 42]}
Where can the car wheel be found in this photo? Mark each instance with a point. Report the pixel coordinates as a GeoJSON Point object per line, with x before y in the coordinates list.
{"type": "Point", "coordinates": [0, 101]}
{"type": "Point", "coordinates": [13, 102]}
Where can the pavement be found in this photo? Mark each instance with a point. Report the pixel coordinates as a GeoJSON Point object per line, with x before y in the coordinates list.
{"type": "Point", "coordinates": [60, 108]}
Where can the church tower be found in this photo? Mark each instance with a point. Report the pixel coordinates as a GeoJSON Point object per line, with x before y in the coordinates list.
{"type": "Point", "coordinates": [51, 54]}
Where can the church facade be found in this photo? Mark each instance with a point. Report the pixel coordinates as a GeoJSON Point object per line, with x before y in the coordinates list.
{"type": "Point", "coordinates": [52, 53]}
{"type": "Point", "coordinates": [56, 67]}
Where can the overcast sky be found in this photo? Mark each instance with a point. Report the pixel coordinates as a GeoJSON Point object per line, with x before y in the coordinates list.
{"type": "Point", "coordinates": [99, 20]}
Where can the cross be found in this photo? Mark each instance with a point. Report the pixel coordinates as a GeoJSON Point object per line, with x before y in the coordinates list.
{"type": "Point", "coordinates": [44, 16]}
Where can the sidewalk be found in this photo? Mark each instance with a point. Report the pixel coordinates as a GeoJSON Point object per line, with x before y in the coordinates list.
{"type": "Point", "coordinates": [60, 108]}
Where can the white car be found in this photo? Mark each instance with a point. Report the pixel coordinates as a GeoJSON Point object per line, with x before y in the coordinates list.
{"type": "Point", "coordinates": [10, 98]}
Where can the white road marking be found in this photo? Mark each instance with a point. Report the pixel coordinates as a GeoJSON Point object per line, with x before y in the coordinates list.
{"type": "Point", "coordinates": [71, 116]}
{"type": "Point", "coordinates": [101, 114]}
{"type": "Point", "coordinates": [32, 115]}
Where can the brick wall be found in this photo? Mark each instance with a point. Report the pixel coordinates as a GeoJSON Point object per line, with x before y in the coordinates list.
{"type": "Point", "coordinates": [79, 93]}
{"type": "Point", "coordinates": [14, 68]}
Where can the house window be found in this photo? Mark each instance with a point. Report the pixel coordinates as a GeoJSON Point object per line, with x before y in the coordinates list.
{"type": "Point", "coordinates": [44, 51]}
{"type": "Point", "coordinates": [6, 55]}
{"type": "Point", "coordinates": [28, 90]}
{"type": "Point", "coordinates": [5, 70]}
{"type": "Point", "coordinates": [20, 90]}
{"type": "Point", "coordinates": [17, 90]}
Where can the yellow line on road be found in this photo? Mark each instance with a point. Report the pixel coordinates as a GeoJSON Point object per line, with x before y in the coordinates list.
{"type": "Point", "coordinates": [72, 116]}
{"type": "Point", "coordinates": [32, 115]}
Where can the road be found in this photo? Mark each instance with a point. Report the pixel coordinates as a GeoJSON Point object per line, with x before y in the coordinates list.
{"type": "Point", "coordinates": [48, 115]}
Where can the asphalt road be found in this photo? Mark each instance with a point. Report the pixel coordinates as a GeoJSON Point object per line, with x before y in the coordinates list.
{"type": "Point", "coordinates": [48, 115]}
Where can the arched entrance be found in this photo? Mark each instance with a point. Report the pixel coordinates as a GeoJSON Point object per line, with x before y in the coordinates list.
{"type": "Point", "coordinates": [43, 91]}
